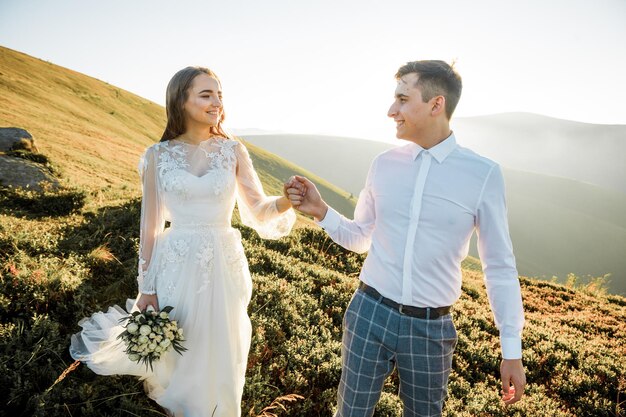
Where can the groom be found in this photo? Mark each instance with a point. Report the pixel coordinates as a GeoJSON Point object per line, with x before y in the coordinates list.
{"type": "Point", "coordinates": [415, 216]}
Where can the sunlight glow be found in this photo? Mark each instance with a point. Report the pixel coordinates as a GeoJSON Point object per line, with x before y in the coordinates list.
{"type": "Point", "coordinates": [327, 67]}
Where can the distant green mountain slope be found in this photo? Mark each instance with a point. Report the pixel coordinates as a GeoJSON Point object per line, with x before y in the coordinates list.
{"type": "Point", "coordinates": [591, 153]}
{"type": "Point", "coordinates": [274, 170]}
{"type": "Point", "coordinates": [95, 132]}
{"type": "Point", "coordinates": [558, 226]}
{"type": "Point", "coordinates": [342, 161]}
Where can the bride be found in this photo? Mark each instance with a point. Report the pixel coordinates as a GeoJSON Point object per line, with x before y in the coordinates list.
{"type": "Point", "coordinates": [192, 178]}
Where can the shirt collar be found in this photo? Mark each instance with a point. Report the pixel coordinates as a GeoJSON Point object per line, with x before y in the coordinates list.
{"type": "Point", "coordinates": [439, 151]}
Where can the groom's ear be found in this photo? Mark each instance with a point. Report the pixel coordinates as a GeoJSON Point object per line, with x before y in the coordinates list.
{"type": "Point", "coordinates": [438, 104]}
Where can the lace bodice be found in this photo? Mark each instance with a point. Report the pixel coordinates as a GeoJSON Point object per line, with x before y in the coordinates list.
{"type": "Point", "coordinates": [190, 185]}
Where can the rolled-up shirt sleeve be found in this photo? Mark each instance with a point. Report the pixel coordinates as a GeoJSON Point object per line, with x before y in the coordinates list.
{"type": "Point", "coordinates": [500, 273]}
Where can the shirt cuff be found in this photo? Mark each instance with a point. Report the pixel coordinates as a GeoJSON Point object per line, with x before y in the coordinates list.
{"type": "Point", "coordinates": [511, 347]}
{"type": "Point", "coordinates": [330, 222]}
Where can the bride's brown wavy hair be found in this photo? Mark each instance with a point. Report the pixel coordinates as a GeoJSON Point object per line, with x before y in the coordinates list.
{"type": "Point", "coordinates": [177, 94]}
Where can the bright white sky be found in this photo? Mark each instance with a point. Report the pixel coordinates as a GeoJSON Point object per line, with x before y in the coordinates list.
{"type": "Point", "coordinates": [327, 66]}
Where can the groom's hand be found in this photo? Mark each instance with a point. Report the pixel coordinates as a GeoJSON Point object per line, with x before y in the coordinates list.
{"type": "Point", "coordinates": [513, 380]}
{"type": "Point", "coordinates": [306, 198]}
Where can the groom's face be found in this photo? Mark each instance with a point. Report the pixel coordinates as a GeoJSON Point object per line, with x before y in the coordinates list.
{"type": "Point", "coordinates": [408, 110]}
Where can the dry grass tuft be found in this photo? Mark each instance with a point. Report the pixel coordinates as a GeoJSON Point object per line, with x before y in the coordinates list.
{"type": "Point", "coordinates": [278, 404]}
{"type": "Point", "coordinates": [103, 255]}
{"type": "Point", "coordinates": [65, 373]}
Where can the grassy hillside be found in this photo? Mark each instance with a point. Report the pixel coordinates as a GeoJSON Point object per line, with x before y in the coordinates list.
{"type": "Point", "coordinates": [66, 256]}
{"type": "Point", "coordinates": [558, 226]}
{"type": "Point", "coordinates": [94, 131]}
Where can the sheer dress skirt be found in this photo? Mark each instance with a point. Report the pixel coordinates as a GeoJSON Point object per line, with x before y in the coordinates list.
{"type": "Point", "coordinates": [204, 275]}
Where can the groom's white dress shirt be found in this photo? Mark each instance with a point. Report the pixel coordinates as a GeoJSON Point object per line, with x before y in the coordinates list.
{"type": "Point", "coordinates": [416, 215]}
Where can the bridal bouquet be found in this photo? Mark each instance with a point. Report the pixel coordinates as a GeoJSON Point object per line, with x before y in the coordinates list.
{"type": "Point", "coordinates": [149, 335]}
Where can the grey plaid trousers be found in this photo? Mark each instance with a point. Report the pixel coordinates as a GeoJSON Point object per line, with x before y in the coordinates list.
{"type": "Point", "coordinates": [377, 338]}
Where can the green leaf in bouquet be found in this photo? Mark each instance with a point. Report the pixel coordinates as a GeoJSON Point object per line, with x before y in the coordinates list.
{"type": "Point", "coordinates": [167, 309]}
{"type": "Point", "coordinates": [179, 349]}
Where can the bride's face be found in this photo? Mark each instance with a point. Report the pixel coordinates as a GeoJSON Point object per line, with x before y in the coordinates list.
{"type": "Point", "coordinates": [204, 101]}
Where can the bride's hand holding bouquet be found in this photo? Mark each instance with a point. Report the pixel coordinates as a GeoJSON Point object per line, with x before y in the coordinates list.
{"type": "Point", "coordinates": [150, 334]}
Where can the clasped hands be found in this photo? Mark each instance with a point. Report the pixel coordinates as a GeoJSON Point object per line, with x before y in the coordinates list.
{"type": "Point", "coordinates": [304, 196]}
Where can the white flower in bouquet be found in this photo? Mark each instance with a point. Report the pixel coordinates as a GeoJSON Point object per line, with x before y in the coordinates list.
{"type": "Point", "coordinates": [132, 328]}
{"type": "Point", "coordinates": [149, 335]}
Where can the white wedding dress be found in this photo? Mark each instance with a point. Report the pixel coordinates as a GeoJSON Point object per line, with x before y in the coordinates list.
{"type": "Point", "coordinates": [198, 266]}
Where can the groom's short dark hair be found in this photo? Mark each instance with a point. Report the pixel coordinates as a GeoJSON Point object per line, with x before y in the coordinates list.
{"type": "Point", "coordinates": [435, 78]}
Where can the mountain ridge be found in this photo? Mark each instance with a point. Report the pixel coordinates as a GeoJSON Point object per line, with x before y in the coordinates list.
{"type": "Point", "coordinates": [517, 114]}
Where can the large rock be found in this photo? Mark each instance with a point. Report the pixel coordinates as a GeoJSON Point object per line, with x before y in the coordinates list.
{"type": "Point", "coordinates": [13, 138]}
{"type": "Point", "coordinates": [18, 172]}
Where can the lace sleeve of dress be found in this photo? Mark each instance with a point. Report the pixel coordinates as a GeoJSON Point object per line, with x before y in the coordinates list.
{"type": "Point", "coordinates": [255, 208]}
{"type": "Point", "coordinates": [152, 222]}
